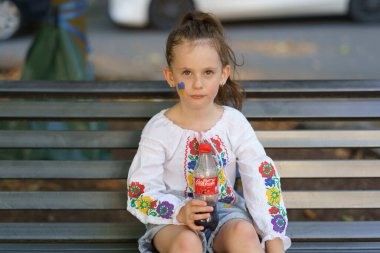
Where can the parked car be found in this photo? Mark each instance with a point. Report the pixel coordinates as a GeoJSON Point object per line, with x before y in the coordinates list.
{"type": "Point", "coordinates": [164, 14]}
{"type": "Point", "coordinates": [16, 14]}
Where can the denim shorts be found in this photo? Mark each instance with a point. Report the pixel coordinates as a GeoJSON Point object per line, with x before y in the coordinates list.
{"type": "Point", "coordinates": [226, 213]}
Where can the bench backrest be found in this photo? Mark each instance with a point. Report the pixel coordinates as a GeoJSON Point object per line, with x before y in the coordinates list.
{"type": "Point", "coordinates": [32, 113]}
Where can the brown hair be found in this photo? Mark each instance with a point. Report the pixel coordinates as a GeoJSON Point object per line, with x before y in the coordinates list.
{"type": "Point", "coordinates": [198, 25]}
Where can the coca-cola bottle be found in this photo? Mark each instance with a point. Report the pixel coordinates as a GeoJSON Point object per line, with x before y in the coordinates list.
{"type": "Point", "coordinates": [206, 185]}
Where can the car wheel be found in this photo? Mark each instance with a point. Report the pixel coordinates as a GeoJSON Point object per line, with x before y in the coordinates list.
{"type": "Point", "coordinates": [164, 14]}
{"type": "Point", "coordinates": [365, 10]}
{"type": "Point", "coordinates": [10, 19]}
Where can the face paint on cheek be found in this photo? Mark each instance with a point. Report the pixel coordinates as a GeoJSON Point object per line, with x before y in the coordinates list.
{"type": "Point", "coordinates": [181, 88]}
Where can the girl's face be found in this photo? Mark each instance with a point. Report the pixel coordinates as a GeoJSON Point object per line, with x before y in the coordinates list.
{"type": "Point", "coordinates": [196, 72]}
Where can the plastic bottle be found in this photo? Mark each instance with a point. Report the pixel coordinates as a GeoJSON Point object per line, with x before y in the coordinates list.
{"type": "Point", "coordinates": [206, 185]}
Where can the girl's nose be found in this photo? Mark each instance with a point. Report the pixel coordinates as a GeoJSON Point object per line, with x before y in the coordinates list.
{"type": "Point", "coordinates": [197, 83]}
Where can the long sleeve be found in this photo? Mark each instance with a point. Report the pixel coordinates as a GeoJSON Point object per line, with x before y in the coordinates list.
{"type": "Point", "coordinates": [148, 198]}
{"type": "Point", "coordinates": [261, 183]}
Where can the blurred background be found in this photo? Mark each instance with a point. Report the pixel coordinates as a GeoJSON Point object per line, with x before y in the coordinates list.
{"type": "Point", "coordinates": [283, 39]}
{"type": "Point", "coordinates": [125, 40]}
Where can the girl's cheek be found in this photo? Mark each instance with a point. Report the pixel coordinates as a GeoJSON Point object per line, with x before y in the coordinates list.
{"type": "Point", "coordinates": [181, 88]}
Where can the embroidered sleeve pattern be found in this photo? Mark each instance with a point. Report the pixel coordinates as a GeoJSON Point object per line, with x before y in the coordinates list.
{"type": "Point", "coordinates": [273, 193]}
{"type": "Point", "coordinates": [147, 205]}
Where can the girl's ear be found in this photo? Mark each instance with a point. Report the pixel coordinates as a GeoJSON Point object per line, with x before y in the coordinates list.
{"type": "Point", "coordinates": [225, 74]}
{"type": "Point", "coordinates": [168, 74]}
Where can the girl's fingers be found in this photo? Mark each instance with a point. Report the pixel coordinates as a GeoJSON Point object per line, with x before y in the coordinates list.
{"type": "Point", "coordinates": [198, 202]}
{"type": "Point", "coordinates": [201, 216]}
{"type": "Point", "coordinates": [202, 209]}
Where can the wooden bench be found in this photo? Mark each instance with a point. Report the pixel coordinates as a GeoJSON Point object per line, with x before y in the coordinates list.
{"type": "Point", "coordinates": [291, 118]}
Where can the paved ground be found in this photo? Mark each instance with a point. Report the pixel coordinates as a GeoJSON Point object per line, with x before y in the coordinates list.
{"type": "Point", "coordinates": [331, 48]}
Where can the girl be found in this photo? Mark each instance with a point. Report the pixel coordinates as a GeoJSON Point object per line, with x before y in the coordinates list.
{"type": "Point", "coordinates": [160, 181]}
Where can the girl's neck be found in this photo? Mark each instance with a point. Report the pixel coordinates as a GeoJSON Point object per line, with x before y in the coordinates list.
{"type": "Point", "coordinates": [196, 120]}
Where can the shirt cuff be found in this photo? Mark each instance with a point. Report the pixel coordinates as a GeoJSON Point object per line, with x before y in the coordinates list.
{"type": "Point", "coordinates": [176, 212]}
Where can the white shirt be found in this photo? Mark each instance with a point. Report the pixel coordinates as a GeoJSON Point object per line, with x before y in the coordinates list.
{"type": "Point", "coordinates": [161, 175]}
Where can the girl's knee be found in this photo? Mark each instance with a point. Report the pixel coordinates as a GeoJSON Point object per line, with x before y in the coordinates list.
{"type": "Point", "coordinates": [241, 229]}
{"type": "Point", "coordinates": [242, 234]}
{"type": "Point", "coordinates": [186, 241]}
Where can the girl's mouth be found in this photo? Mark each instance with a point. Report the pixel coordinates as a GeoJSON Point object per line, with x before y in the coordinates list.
{"type": "Point", "coordinates": [197, 96]}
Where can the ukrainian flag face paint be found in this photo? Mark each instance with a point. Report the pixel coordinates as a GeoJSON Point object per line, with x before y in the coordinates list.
{"type": "Point", "coordinates": [181, 88]}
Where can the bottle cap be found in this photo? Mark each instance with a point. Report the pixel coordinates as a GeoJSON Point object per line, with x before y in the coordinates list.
{"type": "Point", "coordinates": [204, 148]}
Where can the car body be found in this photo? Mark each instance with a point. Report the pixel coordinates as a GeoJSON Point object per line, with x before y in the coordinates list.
{"type": "Point", "coordinates": [164, 13]}
{"type": "Point", "coordinates": [16, 14]}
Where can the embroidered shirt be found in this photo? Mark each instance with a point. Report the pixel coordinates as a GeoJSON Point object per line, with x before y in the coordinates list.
{"type": "Point", "coordinates": [160, 179]}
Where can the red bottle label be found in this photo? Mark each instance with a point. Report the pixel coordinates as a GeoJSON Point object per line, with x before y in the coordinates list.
{"type": "Point", "coordinates": [206, 186]}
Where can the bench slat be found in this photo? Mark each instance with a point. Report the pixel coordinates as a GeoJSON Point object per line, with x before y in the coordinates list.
{"type": "Point", "coordinates": [278, 108]}
{"type": "Point", "coordinates": [297, 247]}
{"type": "Point", "coordinates": [130, 139]}
{"type": "Point", "coordinates": [323, 169]}
{"type": "Point", "coordinates": [69, 247]}
{"type": "Point", "coordinates": [117, 200]}
{"type": "Point", "coordinates": [64, 169]}
{"type": "Point", "coordinates": [119, 169]}
{"type": "Point", "coordinates": [332, 199]}
{"type": "Point", "coordinates": [298, 231]}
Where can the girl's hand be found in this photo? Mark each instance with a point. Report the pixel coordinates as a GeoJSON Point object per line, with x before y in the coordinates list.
{"type": "Point", "coordinates": [194, 210]}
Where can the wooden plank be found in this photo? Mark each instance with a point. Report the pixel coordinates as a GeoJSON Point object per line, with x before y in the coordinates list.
{"type": "Point", "coordinates": [320, 138]}
{"type": "Point", "coordinates": [335, 230]}
{"type": "Point", "coordinates": [64, 169]}
{"type": "Point", "coordinates": [331, 199]}
{"type": "Point", "coordinates": [117, 232]}
{"type": "Point", "coordinates": [66, 200]}
{"type": "Point", "coordinates": [334, 247]}
{"type": "Point", "coordinates": [69, 139]}
{"type": "Point", "coordinates": [297, 247]}
{"type": "Point", "coordinates": [310, 108]}
{"type": "Point", "coordinates": [329, 169]}
{"type": "Point", "coordinates": [279, 108]}
{"type": "Point", "coordinates": [130, 139]}
{"type": "Point", "coordinates": [63, 200]}
{"type": "Point", "coordinates": [129, 232]}
{"type": "Point", "coordinates": [19, 247]}
{"type": "Point", "coordinates": [131, 87]}
{"type": "Point", "coordinates": [57, 169]}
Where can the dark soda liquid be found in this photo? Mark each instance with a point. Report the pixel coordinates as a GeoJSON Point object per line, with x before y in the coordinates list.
{"type": "Point", "coordinates": [210, 223]}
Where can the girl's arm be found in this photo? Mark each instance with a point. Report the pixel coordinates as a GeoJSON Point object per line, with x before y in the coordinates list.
{"type": "Point", "coordinates": [274, 246]}
{"type": "Point", "coordinates": [261, 183]}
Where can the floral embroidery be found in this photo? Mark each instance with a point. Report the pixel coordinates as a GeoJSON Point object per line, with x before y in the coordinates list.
{"type": "Point", "coordinates": [135, 190]}
{"type": "Point", "coordinates": [165, 209]}
{"type": "Point", "coordinates": [266, 170]}
{"type": "Point", "coordinates": [273, 210]}
{"type": "Point", "coordinates": [274, 196]}
{"type": "Point", "coordinates": [217, 144]}
{"type": "Point", "coordinates": [143, 204]}
{"type": "Point", "coordinates": [146, 204]}
{"type": "Point", "coordinates": [272, 184]}
{"type": "Point", "coordinates": [191, 158]}
{"type": "Point", "coordinates": [193, 145]}
{"type": "Point", "coordinates": [278, 223]}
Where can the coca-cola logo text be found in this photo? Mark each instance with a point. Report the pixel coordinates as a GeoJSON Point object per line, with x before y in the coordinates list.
{"type": "Point", "coordinates": [205, 182]}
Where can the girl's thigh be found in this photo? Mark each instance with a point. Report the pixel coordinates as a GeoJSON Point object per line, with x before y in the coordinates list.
{"type": "Point", "coordinates": [177, 237]}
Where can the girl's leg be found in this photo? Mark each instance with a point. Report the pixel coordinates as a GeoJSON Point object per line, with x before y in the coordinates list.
{"type": "Point", "coordinates": [177, 238]}
{"type": "Point", "coordinates": [237, 236]}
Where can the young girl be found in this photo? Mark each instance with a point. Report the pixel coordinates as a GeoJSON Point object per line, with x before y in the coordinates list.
{"type": "Point", "coordinates": [160, 181]}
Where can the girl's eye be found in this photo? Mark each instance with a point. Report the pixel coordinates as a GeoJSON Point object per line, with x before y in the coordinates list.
{"type": "Point", "coordinates": [186, 73]}
{"type": "Point", "coordinates": [209, 72]}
